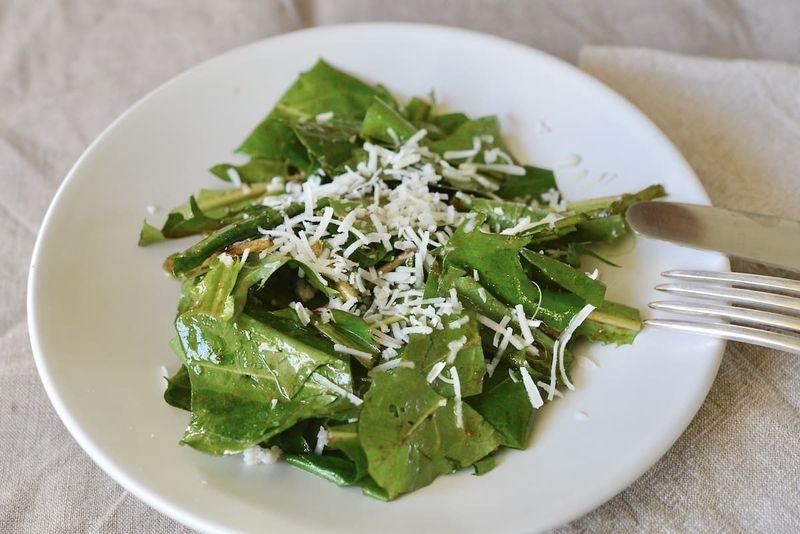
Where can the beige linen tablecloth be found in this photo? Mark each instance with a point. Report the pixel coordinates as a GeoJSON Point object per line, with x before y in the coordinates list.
{"type": "Point", "coordinates": [68, 68]}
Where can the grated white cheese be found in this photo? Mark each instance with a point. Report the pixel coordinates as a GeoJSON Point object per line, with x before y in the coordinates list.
{"type": "Point", "coordinates": [336, 388]}
{"type": "Point", "coordinates": [464, 154]}
{"type": "Point", "coordinates": [482, 294]}
{"type": "Point", "coordinates": [505, 168]}
{"type": "Point", "coordinates": [523, 324]}
{"type": "Point", "coordinates": [458, 323]}
{"type": "Point", "coordinates": [302, 313]}
{"type": "Point", "coordinates": [454, 347]}
{"type": "Point", "coordinates": [534, 396]}
{"type": "Point", "coordinates": [435, 371]}
{"type": "Point", "coordinates": [360, 354]}
{"type": "Point", "coordinates": [225, 259]}
{"type": "Point", "coordinates": [457, 404]}
{"type": "Point", "coordinates": [324, 117]}
{"type": "Point", "coordinates": [560, 347]}
{"type": "Point", "coordinates": [323, 436]}
{"type": "Point", "coordinates": [256, 455]}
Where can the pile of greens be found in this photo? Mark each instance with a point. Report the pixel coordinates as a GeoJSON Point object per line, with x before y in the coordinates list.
{"type": "Point", "coordinates": [384, 294]}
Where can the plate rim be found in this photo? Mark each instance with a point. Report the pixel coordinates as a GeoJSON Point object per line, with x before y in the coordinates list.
{"type": "Point", "coordinates": [199, 522]}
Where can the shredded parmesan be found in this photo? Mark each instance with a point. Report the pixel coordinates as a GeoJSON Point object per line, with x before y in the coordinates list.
{"type": "Point", "coordinates": [523, 324]}
{"type": "Point", "coordinates": [256, 455]}
{"type": "Point", "coordinates": [560, 347]}
{"type": "Point", "coordinates": [322, 440]}
{"type": "Point", "coordinates": [454, 347]}
{"type": "Point", "coordinates": [324, 382]}
{"type": "Point", "coordinates": [324, 117]}
{"type": "Point", "coordinates": [360, 354]}
{"type": "Point", "coordinates": [533, 392]}
{"type": "Point", "coordinates": [457, 404]}
{"type": "Point", "coordinates": [435, 371]}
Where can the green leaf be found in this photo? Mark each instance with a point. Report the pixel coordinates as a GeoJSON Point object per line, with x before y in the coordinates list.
{"type": "Point", "coordinates": [213, 291]}
{"type": "Point", "coordinates": [254, 171]}
{"type": "Point", "coordinates": [340, 471]}
{"type": "Point", "coordinates": [409, 433]}
{"type": "Point", "coordinates": [574, 281]}
{"type": "Point", "coordinates": [179, 390]}
{"type": "Point", "coordinates": [313, 278]}
{"type": "Point", "coordinates": [502, 214]}
{"type": "Point", "coordinates": [349, 330]}
{"type": "Point", "coordinates": [347, 469]}
{"type": "Point", "coordinates": [251, 380]}
{"type": "Point", "coordinates": [181, 224]}
{"type": "Point", "coordinates": [182, 263]}
{"type": "Point", "coordinates": [417, 110]}
{"type": "Point", "coordinates": [320, 90]}
{"type": "Point", "coordinates": [331, 143]}
{"type": "Point", "coordinates": [428, 350]}
{"type": "Point", "coordinates": [600, 230]}
{"type": "Point", "coordinates": [504, 404]}
{"type": "Point", "coordinates": [381, 118]}
{"type": "Point", "coordinates": [255, 276]}
{"type": "Point", "coordinates": [611, 323]}
{"type": "Point", "coordinates": [462, 137]}
{"type": "Point", "coordinates": [484, 465]}
{"type": "Point", "coordinates": [149, 235]}
{"type": "Point", "coordinates": [496, 258]}
{"type": "Point", "coordinates": [448, 123]}
{"type": "Point", "coordinates": [531, 186]}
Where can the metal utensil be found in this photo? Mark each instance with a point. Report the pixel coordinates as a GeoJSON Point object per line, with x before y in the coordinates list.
{"type": "Point", "coordinates": [761, 310]}
{"type": "Point", "coordinates": [762, 238]}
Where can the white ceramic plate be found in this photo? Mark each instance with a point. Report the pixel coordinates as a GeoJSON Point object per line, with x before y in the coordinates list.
{"type": "Point", "coordinates": [101, 310]}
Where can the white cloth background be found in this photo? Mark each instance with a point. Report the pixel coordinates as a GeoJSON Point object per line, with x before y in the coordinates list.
{"type": "Point", "coordinates": [68, 68]}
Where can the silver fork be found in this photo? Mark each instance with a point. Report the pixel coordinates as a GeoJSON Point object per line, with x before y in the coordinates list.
{"type": "Point", "coordinates": [769, 306]}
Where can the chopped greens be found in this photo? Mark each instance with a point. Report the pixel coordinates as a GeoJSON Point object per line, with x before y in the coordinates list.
{"type": "Point", "coordinates": [385, 294]}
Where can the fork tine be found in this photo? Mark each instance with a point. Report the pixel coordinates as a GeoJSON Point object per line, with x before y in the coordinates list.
{"type": "Point", "coordinates": [738, 296]}
{"type": "Point", "coordinates": [741, 279]}
{"type": "Point", "coordinates": [744, 334]}
{"type": "Point", "coordinates": [742, 315]}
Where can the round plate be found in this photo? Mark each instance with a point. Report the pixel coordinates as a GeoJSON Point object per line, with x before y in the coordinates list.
{"type": "Point", "coordinates": [101, 310]}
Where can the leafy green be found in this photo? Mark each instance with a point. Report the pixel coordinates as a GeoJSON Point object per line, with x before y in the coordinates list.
{"type": "Point", "coordinates": [462, 137]}
{"type": "Point", "coordinates": [149, 235]}
{"type": "Point", "coordinates": [577, 282]}
{"type": "Point", "coordinates": [179, 390]}
{"type": "Point", "coordinates": [182, 263]}
{"type": "Point", "coordinates": [385, 124]}
{"type": "Point", "coordinates": [530, 186]}
{"type": "Point", "coordinates": [410, 436]}
{"type": "Point", "coordinates": [504, 404]}
{"type": "Point", "coordinates": [269, 356]}
{"type": "Point", "coordinates": [428, 350]}
{"type": "Point", "coordinates": [322, 89]}
{"type": "Point", "coordinates": [237, 368]}
{"type": "Point", "coordinates": [256, 170]}
{"type": "Point", "coordinates": [349, 330]}
{"type": "Point", "coordinates": [484, 465]}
